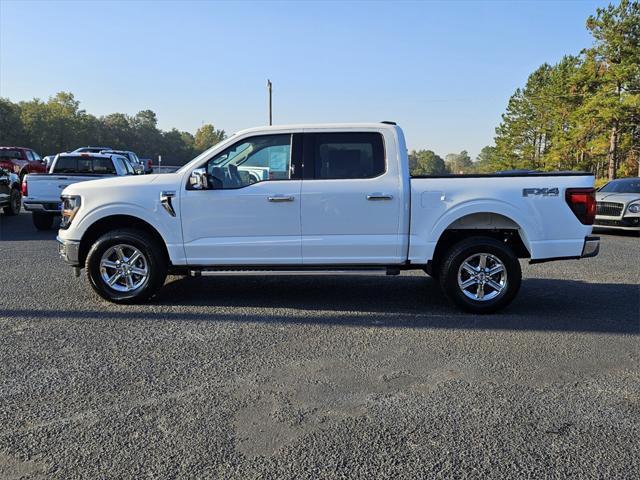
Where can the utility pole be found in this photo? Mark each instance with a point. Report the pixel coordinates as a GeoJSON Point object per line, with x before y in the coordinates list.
{"type": "Point", "coordinates": [269, 89]}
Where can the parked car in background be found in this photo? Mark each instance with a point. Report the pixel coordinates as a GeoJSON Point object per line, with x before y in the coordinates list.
{"type": "Point", "coordinates": [42, 192]}
{"type": "Point", "coordinates": [48, 160]}
{"type": "Point", "coordinates": [618, 205]}
{"type": "Point", "coordinates": [148, 165]}
{"type": "Point", "coordinates": [140, 166]}
{"type": "Point", "coordinates": [91, 149]}
{"type": "Point", "coordinates": [324, 199]}
{"type": "Point", "coordinates": [10, 196]}
{"type": "Point", "coordinates": [21, 161]}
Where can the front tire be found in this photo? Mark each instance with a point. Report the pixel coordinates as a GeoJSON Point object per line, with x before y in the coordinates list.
{"type": "Point", "coordinates": [15, 202]}
{"type": "Point", "coordinates": [43, 221]}
{"type": "Point", "coordinates": [126, 266]}
{"type": "Point", "coordinates": [480, 275]}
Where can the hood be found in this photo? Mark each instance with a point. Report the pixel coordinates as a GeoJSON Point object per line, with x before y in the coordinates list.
{"type": "Point", "coordinates": [129, 181]}
{"type": "Point", "coordinates": [617, 197]}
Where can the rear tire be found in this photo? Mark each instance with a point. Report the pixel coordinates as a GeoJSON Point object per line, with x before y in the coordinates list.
{"type": "Point", "coordinates": [126, 266]}
{"type": "Point", "coordinates": [480, 275]}
{"type": "Point", "coordinates": [43, 221]}
{"type": "Point", "coordinates": [15, 202]}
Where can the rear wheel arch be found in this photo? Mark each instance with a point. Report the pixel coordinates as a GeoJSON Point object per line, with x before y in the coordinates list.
{"type": "Point", "coordinates": [481, 224]}
{"type": "Point", "coordinates": [115, 222]}
{"type": "Point", "coordinates": [480, 274]}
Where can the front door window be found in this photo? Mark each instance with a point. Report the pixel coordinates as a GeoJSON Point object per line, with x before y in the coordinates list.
{"type": "Point", "coordinates": [256, 159]}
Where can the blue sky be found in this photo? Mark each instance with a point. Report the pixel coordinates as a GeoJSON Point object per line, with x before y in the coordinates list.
{"type": "Point", "coordinates": [443, 70]}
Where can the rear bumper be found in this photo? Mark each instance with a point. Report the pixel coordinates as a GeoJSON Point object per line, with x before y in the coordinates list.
{"type": "Point", "coordinates": [42, 207]}
{"type": "Point", "coordinates": [590, 248]}
{"type": "Point", "coordinates": [69, 251]}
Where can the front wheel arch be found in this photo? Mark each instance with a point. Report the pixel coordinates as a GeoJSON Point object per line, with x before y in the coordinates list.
{"type": "Point", "coordinates": [115, 222]}
{"type": "Point", "coordinates": [153, 270]}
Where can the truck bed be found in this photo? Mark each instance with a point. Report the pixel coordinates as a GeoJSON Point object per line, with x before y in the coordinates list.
{"type": "Point", "coordinates": [533, 203]}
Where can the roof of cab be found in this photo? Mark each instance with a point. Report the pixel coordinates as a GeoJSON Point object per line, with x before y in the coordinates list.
{"type": "Point", "coordinates": [318, 126]}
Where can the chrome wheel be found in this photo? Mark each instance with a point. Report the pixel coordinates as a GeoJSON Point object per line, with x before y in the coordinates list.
{"type": "Point", "coordinates": [482, 277]}
{"type": "Point", "coordinates": [124, 268]}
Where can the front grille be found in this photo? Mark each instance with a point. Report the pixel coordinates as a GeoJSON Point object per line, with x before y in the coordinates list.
{"type": "Point", "coordinates": [609, 209]}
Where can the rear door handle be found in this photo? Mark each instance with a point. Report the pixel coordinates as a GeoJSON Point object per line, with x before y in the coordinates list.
{"type": "Point", "coordinates": [379, 196]}
{"type": "Point", "coordinates": [280, 198]}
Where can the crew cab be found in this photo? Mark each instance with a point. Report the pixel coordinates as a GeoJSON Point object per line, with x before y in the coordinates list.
{"type": "Point", "coordinates": [42, 192]}
{"type": "Point", "coordinates": [324, 199]}
{"type": "Point", "coordinates": [21, 161]}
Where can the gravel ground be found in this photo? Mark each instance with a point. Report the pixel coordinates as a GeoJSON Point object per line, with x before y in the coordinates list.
{"type": "Point", "coordinates": [318, 377]}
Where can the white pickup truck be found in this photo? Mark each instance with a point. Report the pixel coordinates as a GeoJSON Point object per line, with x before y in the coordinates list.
{"type": "Point", "coordinates": [41, 192]}
{"type": "Point", "coordinates": [324, 199]}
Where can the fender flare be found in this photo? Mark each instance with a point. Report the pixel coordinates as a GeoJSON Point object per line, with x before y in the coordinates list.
{"type": "Point", "coordinates": [528, 227]}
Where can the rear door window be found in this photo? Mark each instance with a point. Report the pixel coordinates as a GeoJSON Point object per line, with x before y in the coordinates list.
{"type": "Point", "coordinates": [344, 155]}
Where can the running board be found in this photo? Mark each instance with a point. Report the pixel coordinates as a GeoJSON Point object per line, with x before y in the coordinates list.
{"type": "Point", "coordinates": [307, 271]}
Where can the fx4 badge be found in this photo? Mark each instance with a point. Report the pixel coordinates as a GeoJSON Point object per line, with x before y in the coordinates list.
{"type": "Point", "coordinates": [540, 192]}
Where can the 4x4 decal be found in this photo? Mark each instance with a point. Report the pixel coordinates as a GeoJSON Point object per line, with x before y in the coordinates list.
{"type": "Point", "coordinates": [540, 192]}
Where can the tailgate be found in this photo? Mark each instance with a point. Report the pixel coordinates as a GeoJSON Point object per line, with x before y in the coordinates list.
{"type": "Point", "coordinates": [47, 188]}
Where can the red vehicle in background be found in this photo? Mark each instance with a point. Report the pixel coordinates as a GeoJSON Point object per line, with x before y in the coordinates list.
{"type": "Point", "coordinates": [21, 161]}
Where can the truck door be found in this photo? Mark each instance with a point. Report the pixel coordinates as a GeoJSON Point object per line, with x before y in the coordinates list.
{"type": "Point", "coordinates": [251, 213]}
{"type": "Point", "coordinates": [351, 199]}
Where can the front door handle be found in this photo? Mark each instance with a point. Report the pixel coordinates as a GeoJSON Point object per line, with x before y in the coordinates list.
{"type": "Point", "coordinates": [379, 196]}
{"type": "Point", "coordinates": [280, 198]}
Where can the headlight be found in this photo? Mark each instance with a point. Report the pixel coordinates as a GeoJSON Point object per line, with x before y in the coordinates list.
{"type": "Point", "coordinates": [70, 206]}
{"type": "Point", "coordinates": [634, 208]}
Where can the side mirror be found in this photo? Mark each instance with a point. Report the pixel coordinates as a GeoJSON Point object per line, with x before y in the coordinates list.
{"type": "Point", "coordinates": [198, 179]}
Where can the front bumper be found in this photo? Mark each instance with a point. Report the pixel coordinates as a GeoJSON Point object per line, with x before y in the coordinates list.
{"type": "Point", "coordinates": [624, 223]}
{"type": "Point", "coordinates": [69, 251]}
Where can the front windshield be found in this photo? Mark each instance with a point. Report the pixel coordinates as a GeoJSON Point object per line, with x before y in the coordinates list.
{"type": "Point", "coordinates": [631, 185]}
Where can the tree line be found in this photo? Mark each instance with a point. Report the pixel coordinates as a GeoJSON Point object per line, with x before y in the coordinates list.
{"type": "Point", "coordinates": [60, 125]}
{"type": "Point", "coordinates": [582, 113]}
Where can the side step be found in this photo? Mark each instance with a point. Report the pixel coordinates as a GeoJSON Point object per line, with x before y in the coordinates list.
{"type": "Point", "coordinates": [219, 272]}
